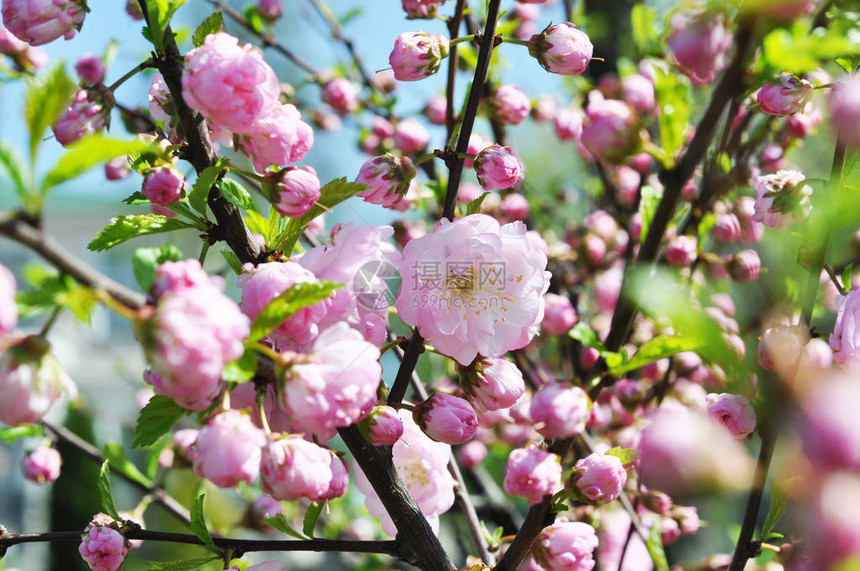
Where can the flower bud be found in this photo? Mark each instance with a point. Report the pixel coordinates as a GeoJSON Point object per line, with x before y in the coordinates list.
{"type": "Point", "coordinates": [280, 138]}
{"type": "Point", "coordinates": [471, 454]}
{"type": "Point", "coordinates": [599, 477]}
{"type": "Point", "coordinates": [532, 473]}
{"type": "Point", "coordinates": [780, 348]}
{"type": "Point", "coordinates": [295, 190]}
{"type": "Point", "coordinates": [410, 137]}
{"type": "Point", "coordinates": [435, 109]}
{"type": "Point", "coordinates": [492, 384]}
{"type": "Point", "coordinates": [269, 9]}
{"type": "Point", "coordinates": [90, 68]}
{"type": "Point", "coordinates": [510, 105]}
{"type": "Point", "coordinates": [559, 411]}
{"type": "Point", "coordinates": [87, 114]}
{"type": "Point", "coordinates": [417, 55]}
{"type": "Point", "coordinates": [163, 185]}
{"type": "Point", "coordinates": [38, 23]}
{"type": "Point", "coordinates": [42, 465]}
{"type": "Point", "coordinates": [562, 49]}
{"type": "Point", "coordinates": [567, 123]}
{"type": "Point", "coordinates": [117, 169]}
{"type": "Point", "coordinates": [699, 42]}
{"type": "Point", "coordinates": [784, 95]}
{"type": "Point", "coordinates": [638, 92]}
{"type": "Point", "coordinates": [388, 177]}
{"type": "Point", "coordinates": [727, 228]}
{"type": "Point", "coordinates": [498, 168]}
{"type": "Point", "coordinates": [382, 427]}
{"type": "Point", "coordinates": [744, 266]}
{"type": "Point", "coordinates": [845, 110]}
{"type": "Point", "coordinates": [341, 94]}
{"type": "Point", "coordinates": [104, 548]}
{"type": "Point", "coordinates": [293, 468]}
{"type": "Point", "coordinates": [514, 207]}
{"type": "Point", "coordinates": [446, 418]}
{"type": "Point", "coordinates": [566, 545]}
{"type": "Point", "coordinates": [733, 412]}
{"type": "Point", "coordinates": [611, 131]}
{"type": "Point", "coordinates": [424, 9]}
{"type": "Point", "coordinates": [559, 316]}
{"type": "Point", "coordinates": [681, 251]}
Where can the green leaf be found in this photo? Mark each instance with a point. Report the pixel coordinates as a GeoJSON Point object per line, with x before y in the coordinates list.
{"type": "Point", "coordinates": [198, 522]}
{"type": "Point", "coordinates": [78, 299]}
{"type": "Point", "coordinates": [474, 206]}
{"type": "Point", "coordinates": [673, 99]}
{"type": "Point", "coordinates": [160, 13]}
{"type": "Point", "coordinates": [643, 20]}
{"type": "Point", "coordinates": [658, 348]}
{"type": "Point", "coordinates": [242, 369]}
{"type": "Point", "coordinates": [654, 543]}
{"type": "Point", "coordinates": [648, 208]}
{"type": "Point", "coordinates": [47, 97]}
{"type": "Point", "coordinates": [799, 49]}
{"type": "Point", "coordinates": [13, 433]}
{"type": "Point", "coordinates": [255, 20]}
{"type": "Point", "coordinates": [311, 518]}
{"type": "Point", "coordinates": [105, 491]}
{"type": "Point", "coordinates": [349, 16]}
{"type": "Point", "coordinates": [626, 455]}
{"type": "Point", "coordinates": [232, 260]}
{"type": "Point", "coordinates": [124, 228]}
{"type": "Point", "coordinates": [584, 334]}
{"type": "Point", "coordinates": [296, 297]}
{"type": "Point", "coordinates": [200, 191]}
{"type": "Point", "coordinates": [144, 261]}
{"type": "Point", "coordinates": [236, 194]}
{"type": "Point", "coordinates": [331, 195]}
{"type": "Point", "coordinates": [211, 25]}
{"type": "Point", "coordinates": [280, 523]}
{"type": "Point", "coordinates": [12, 162]}
{"type": "Point", "coordinates": [89, 152]}
{"type": "Point", "coordinates": [153, 454]}
{"type": "Point", "coordinates": [115, 454]}
{"type": "Point", "coordinates": [156, 418]}
{"type": "Point", "coordinates": [182, 565]}
{"type": "Point", "coordinates": [778, 505]}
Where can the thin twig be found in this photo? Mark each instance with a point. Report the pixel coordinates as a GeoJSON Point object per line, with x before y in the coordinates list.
{"type": "Point", "coordinates": [337, 34]}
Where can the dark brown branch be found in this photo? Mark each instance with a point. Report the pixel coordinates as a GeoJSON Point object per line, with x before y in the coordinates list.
{"type": "Point", "coordinates": [454, 24]}
{"type": "Point", "coordinates": [407, 366]}
{"type": "Point", "coordinates": [743, 549]}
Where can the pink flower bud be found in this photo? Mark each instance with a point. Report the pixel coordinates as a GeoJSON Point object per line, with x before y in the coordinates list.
{"type": "Point", "coordinates": [699, 43]}
{"type": "Point", "coordinates": [492, 384]}
{"type": "Point", "coordinates": [657, 501]}
{"type": "Point", "coordinates": [611, 131]}
{"type": "Point", "coordinates": [280, 138]}
{"type": "Point", "coordinates": [751, 230]}
{"type": "Point", "coordinates": [782, 199]}
{"type": "Point", "coordinates": [638, 92]}
{"type": "Point", "coordinates": [341, 94]}
{"type": "Point", "coordinates": [8, 308]}
{"type": "Point", "coordinates": [562, 49]}
{"type": "Point", "coordinates": [410, 137]}
{"type": "Point", "coordinates": [681, 251]}
{"type": "Point", "coordinates": [588, 357]}
{"type": "Point", "coordinates": [845, 110]}
{"type": "Point", "coordinates": [90, 68]}
{"type": "Point", "coordinates": [388, 177]}
{"type": "Point", "coordinates": [297, 188]}
{"type": "Point", "coordinates": [567, 123]}
{"type": "Point", "coordinates": [175, 276]}
{"type": "Point", "coordinates": [498, 168]}
{"type": "Point", "coordinates": [293, 468]}
{"type": "Point", "coordinates": [532, 473]}
{"type": "Point", "coordinates": [382, 427]}
{"type": "Point", "coordinates": [42, 465]}
{"type": "Point", "coordinates": [727, 228]}
{"type": "Point", "coordinates": [745, 266]}
{"type": "Point", "coordinates": [816, 358]}
{"type": "Point", "coordinates": [559, 316]}
{"type": "Point", "coordinates": [269, 9]}
{"type": "Point", "coordinates": [446, 418]}
{"type": "Point", "coordinates": [228, 450]}
{"type": "Point", "coordinates": [87, 114]}
{"type": "Point", "coordinates": [780, 348]}
{"type": "Point", "coordinates": [183, 442]}
{"type": "Point", "coordinates": [104, 549]}
{"type": "Point", "coordinates": [417, 55]}
{"type": "Point", "coordinates": [733, 412]}
{"type": "Point", "coordinates": [117, 169]}
{"type": "Point", "coordinates": [828, 427]}
{"type": "Point", "coordinates": [510, 105]}
{"type": "Point", "coordinates": [435, 109]}
{"type": "Point", "coordinates": [477, 143]}
{"type": "Point", "coordinates": [163, 185]}
{"type": "Point", "coordinates": [424, 9]}
{"type": "Point", "coordinates": [784, 95]}
{"type": "Point", "coordinates": [600, 477]}
{"type": "Point", "coordinates": [771, 158]}
{"type": "Point", "coordinates": [514, 207]}
{"type": "Point", "coordinates": [471, 454]}
{"type": "Point", "coordinates": [38, 22]}
{"type": "Point", "coordinates": [339, 478]}
{"type": "Point", "coordinates": [559, 411]}
{"type": "Point", "coordinates": [566, 545]}
{"type": "Point", "coordinates": [803, 123]}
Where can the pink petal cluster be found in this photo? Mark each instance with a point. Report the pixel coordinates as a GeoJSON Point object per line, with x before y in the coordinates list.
{"type": "Point", "coordinates": [382, 427]}
{"type": "Point", "coordinates": [410, 137]}
{"type": "Point", "coordinates": [341, 94]}
{"type": "Point", "coordinates": [566, 546]}
{"type": "Point", "coordinates": [532, 473]}
{"type": "Point", "coordinates": [785, 95]}
{"type": "Point", "coordinates": [296, 190]}
{"type": "Point", "coordinates": [782, 199]}
{"type": "Point", "coordinates": [733, 412]}
{"type": "Point", "coordinates": [745, 266]}
{"type": "Point", "coordinates": [600, 478]}
{"type": "Point", "coordinates": [446, 418]}
{"type": "Point", "coordinates": [278, 138]}
{"type": "Point", "coordinates": [388, 176]}
{"type": "Point", "coordinates": [336, 383]}
{"type": "Point", "coordinates": [421, 8]}
{"type": "Point", "coordinates": [42, 465]}
{"type": "Point", "coordinates": [559, 316]}
{"type": "Point", "coordinates": [90, 68]}
{"type": "Point", "coordinates": [559, 411]}
{"type": "Point", "coordinates": [176, 276]}
{"type": "Point", "coordinates": [293, 468]}
{"type": "Point", "coordinates": [682, 250]}
{"type": "Point", "coordinates": [422, 464]}
{"type": "Point", "coordinates": [611, 130]}
{"type": "Point", "coordinates": [163, 185]}
{"type": "Point", "coordinates": [31, 381]}
{"type": "Point", "coordinates": [228, 450]}
{"type": "Point", "coordinates": [700, 43]}
{"type": "Point", "coordinates": [87, 114]}
{"type": "Point", "coordinates": [192, 335]}
{"type": "Point", "coordinates": [8, 308]}
{"type": "Point", "coordinates": [269, 9]}
{"type": "Point", "coordinates": [117, 169]}
{"type": "Point", "coordinates": [638, 91]}
{"type": "Point", "coordinates": [473, 287]}
{"type": "Point", "coordinates": [498, 168]}
{"type": "Point", "coordinates": [435, 109]}
{"type": "Point", "coordinates": [38, 22]}
{"type": "Point", "coordinates": [25, 57]}
{"type": "Point", "coordinates": [567, 123]}
{"type": "Point", "coordinates": [510, 104]}
{"type": "Point", "coordinates": [845, 110]}
{"type": "Point", "coordinates": [417, 55]}
{"type": "Point", "coordinates": [828, 427]}
{"type": "Point", "coordinates": [562, 49]}
{"type": "Point", "coordinates": [493, 384]}
{"type": "Point", "coordinates": [514, 207]}
{"type": "Point", "coordinates": [104, 548]}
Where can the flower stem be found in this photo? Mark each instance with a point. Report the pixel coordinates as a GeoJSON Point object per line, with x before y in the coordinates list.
{"type": "Point", "coordinates": [131, 73]}
{"type": "Point", "coordinates": [515, 41]}
{"type": "Point", "coordinates": [50, 322]}
{"type": "Point", "coordinates": [460, 40]}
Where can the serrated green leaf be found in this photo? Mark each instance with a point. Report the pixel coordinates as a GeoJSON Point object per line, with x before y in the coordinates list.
{"type": "Point", "coordinates": [673, 100]}
{"type": "Point", "coordinates": [124, 228]}
{"type": "Point", "coordinates": [200, 191]}
{"type": "Point", "coordinates": [474, 206]}
{"type": "Point", "coordinates": [626, 455]}
{"type": "Point", "coordinates": [114, 453]}
{"type": "Point", "coordinates": [198, 522]}
{"type": "Point", "coordinates": [654, 543]}
{"type": "Point", "coordinates": [144, 261]}
{"type": "Point", "coordinates": [331, 195]}
{"type": "Point", "coordinates": [650, 198]}
{"type": "Point", "coordinates": [280, 523]}
{"type": "Point", "coordinates": [213, 24]}
{"type": "Point", "coordinates": [242, 369]}
{"type": "Point", "coordinates": [181, 565]}
{"type": "Point", "coordinates": [658, 348]}
{"type": "Point", "coordinates": [136, 198]}
{"type": "Point", "coordinates": [156, 418]}
{"type": "Point", "coordinates": [160, 13]}
{"type": "Point", "coordinates": [12, 162]}
{"type": "Point", "coordinates": [89, 152]}
{"type": "Point", "coordinates": [105, 492]}
{"type": "Point", "coordinates": [311, 518]}
{"type": "Point", "coordinates": [47, 97]}
{"type": "Point", "coordinates": [236, 194]}
{"type": "Point", "coordinates": [296, 297]}
{"type": "Point", "coordinates": [13, 433]}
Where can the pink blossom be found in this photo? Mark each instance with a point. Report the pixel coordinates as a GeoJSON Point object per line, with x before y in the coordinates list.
{"type": "Point", "coordinates": [388, 177]}
{"type": "Point", "coordinates": [834, 521]}
{"type": "Point", "coordinates": [638, 92]}
{"type": "Point", "coordinates": [562, 49]}
{"type": "Point", "coordinates": [335, 384]}
{"type": "Point", "coordinates": [38, 22]}
{"type": "Point", "coordinates": [104, 548]}
{"type": "Point", "coordinates": [771, 158]}
{"type": "Point", "coordinates": [339, 478]}
{"type": "Point", "coordinates": [417, 55]}
{"type": "Point", "coordinates": [477, 143]}
{"type": "Point", "coordinates": [132, 8]}
{"type": "Point", "coordinates": [780, 348]}
{"type": "Point", "coordinates": [727, 228]}
{"type": "Point", "coordinates": [8, 308]}
{"type": "Point", "coordinates": [532, 473]}
{"type": "Point", "coordinates": [31, 381]}
{"type": "Point", "coordinates": [446, 418]}
{"type": "Point", "coordinates": [527, 14]}
{"type": "Point", "coordinates": [163, 185]}
{"type": "Point", "coordinates": [492, 384]}
{"type": "Point", "coordinates": [175, 276]}
{"type": "Point", "coordinates": [568, 123]}
{"type": "Point", "coordinates": [461, 311]}
{"type": "Point", "coordinates": [782, 199]}
{"type": "Point", "coordinates": [42, 465]}
{"type": "Point", "coordinates": [230, 85]}
{"type": "Point", "coordinates": [117, 169]}
{"type": "Point", "coordinates": [845, 110]}
{"type": "Point", "coordinates": [87, 114]}
{"type": "Point", "coordinates": [25, 57]}
{"type": "Point", "coordinates": [382, 427]}
{"type": "Point", "coordinates": [183, 441]}
{"type": "Point", "coordinates": [784, 95]}
{"type": "Point", "coordinates": [514, 207]}
{"type": "Point", "coordinates": [471, 454]}
{"type": "Point", "coordinates": [733, 412]}
{"type": "Point", "coordinates": [228, 450]}
{"type": "Point", "coordinates": [510, 104]}
{"type": "Point", "coordinates": [498, 168]}
{"type": "Point", "coordinates": [90, 68]}
{"type": "Point", "coordinates": [341, 94]}
{"type": "Point", "coordinates": [422, 464]}
{"type": "Point", "coordinates": [829, 423]}
{"type": "Point", "coordinates": [293, 468]}
{"type": "Point", "coordinates": [435, 109]}
{"type": "Point", "coordinates": [559, 411]}
{"type": "Point", "coordinates": [744, 266]}
{"type": "Point", "coordinates": [682, 251]}
{"type": "Point", "coordinates": [421, 8]}
{"type": "Point", "coordinates": [588, 357]}
{"type": "Point", "coordinates": [600, 478]}
{"type": "Point", "coordinates": [559, 315]}
{"type": "Point", "coordinates": [751, 230]}
{"type": "Point", "coordinates": [297, 190]}
{"type": "Point", "coordinates": [269, 9]}
{"type": "Point", "coordinates": [566, 546]}
{"type": "Point", "coordinates": [611, 131]}
{"type": "Point", "coordinates": [699, 42]}
{"type": "Point", "coordinates": [279, 138]}
{"type": "Point", "coordinates": [410, 136]}
{"type": "Point", "coordinates": [190, 338]}
{"type": "Point", "coordinates": [803, 122]}
{"type": "Point", "coordinates": [607, 288]}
